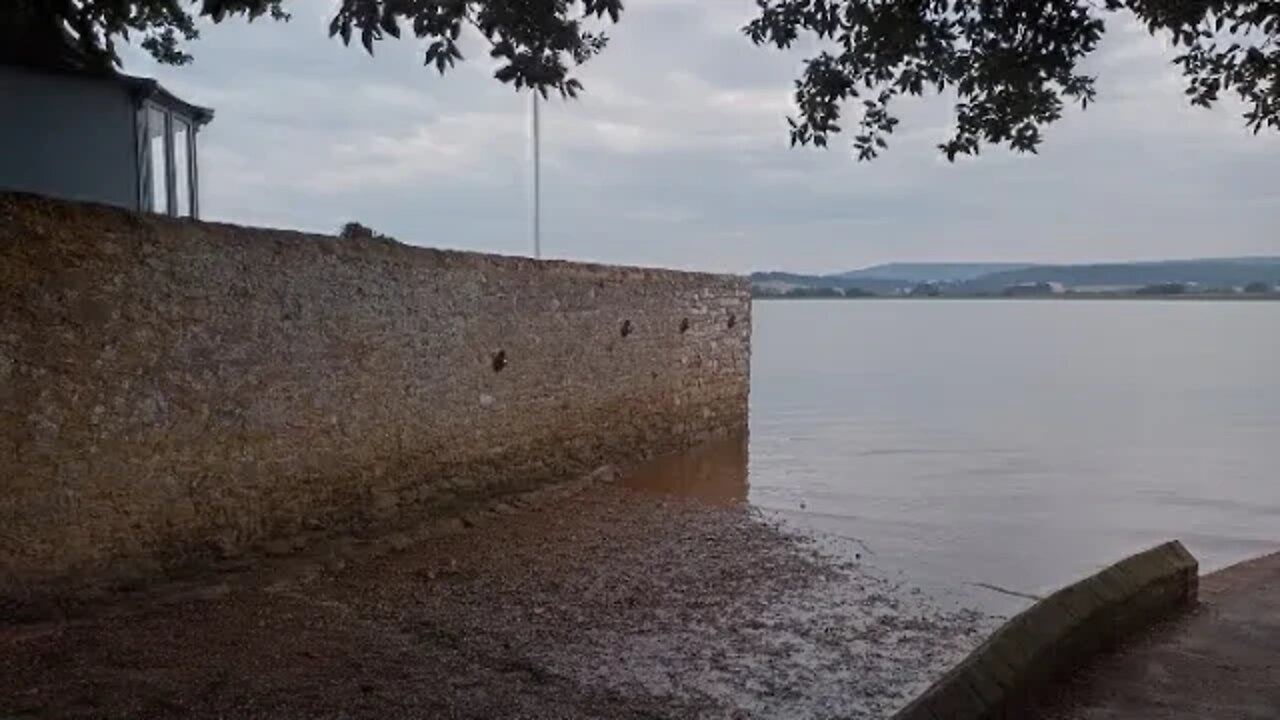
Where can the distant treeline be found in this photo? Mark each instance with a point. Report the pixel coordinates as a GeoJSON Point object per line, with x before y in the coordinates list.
{"type": "Point", "coordinates": [1224, 276]}
{"type": "Point", "coordinates": [801, 293]}
{"type": "Point", "coordinates": [1251, 290]}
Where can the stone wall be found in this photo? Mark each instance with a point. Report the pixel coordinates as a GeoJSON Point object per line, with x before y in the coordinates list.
{"type": "Point", "coordinates": [173, 391]}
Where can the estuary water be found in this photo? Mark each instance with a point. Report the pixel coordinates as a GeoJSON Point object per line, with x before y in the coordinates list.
{"type": "Point", "coordinates": [1003, 448]}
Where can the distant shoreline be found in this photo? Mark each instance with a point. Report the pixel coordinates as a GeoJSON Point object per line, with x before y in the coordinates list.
{"type": "Point", "coordinates": [1214, 297]}
{"type": "Point", "coordinates": [1202, 279]}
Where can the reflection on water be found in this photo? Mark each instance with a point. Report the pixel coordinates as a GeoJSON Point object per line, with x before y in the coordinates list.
{"type": "Point", "coordinates": [715, 472]}
{"type": "Point", "coordinates": [1007, 445]}
{"type": "Point", "coordinates": [1019, 445]}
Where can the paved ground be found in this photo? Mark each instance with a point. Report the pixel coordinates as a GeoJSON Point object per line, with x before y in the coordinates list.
{"type": "Point", "coordinates": [587, 601]}
{"type": "Point", "coordinates": [1222, 661]}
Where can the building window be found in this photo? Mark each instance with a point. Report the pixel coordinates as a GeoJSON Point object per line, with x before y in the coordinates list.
{"type": "Point", "coordinates": [181, 166]}
{"type": "Point", "coordinates": [167, 163]}
{"type": "Point", "coordinates": [157, 161]}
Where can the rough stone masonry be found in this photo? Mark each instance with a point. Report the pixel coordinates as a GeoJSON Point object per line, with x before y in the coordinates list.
{"type": "Point", "coordinates": [174, 391]}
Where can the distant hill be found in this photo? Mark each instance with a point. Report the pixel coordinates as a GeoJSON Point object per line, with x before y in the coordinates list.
{"type": "Point", "coordinates": [931, 272]}
{"type": "Point", "coordinates": [993, 278]}
{"type": "Point", "coordinates": [1214, 273]}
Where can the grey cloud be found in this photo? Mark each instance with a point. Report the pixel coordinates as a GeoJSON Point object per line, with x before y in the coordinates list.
{"type": "Point", "coordinates": [678, 156]}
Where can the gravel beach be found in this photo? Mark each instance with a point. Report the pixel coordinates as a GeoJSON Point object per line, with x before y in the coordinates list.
{"type": "Point", "coordinates": [588, 600]}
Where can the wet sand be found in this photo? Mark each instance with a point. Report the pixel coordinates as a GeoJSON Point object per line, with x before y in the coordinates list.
{"type": "Point", "coordinates": [589, 600]}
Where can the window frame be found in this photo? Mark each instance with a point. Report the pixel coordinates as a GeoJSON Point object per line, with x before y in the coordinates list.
{"type": "Point", "coordinates": [173, 122]}
{"type": "Point", "coordinates": [146, 199]}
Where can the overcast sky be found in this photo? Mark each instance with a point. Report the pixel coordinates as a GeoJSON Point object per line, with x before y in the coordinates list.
{"type": "Point", "coordinates": [677, 155]}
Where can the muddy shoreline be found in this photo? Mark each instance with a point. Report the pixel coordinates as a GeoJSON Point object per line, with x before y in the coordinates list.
{"type": "Point", "coordinates": [591, 600]}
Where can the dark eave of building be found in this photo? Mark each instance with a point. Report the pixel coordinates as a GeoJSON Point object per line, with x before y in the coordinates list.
{"type": "Point", "coordinates": [149, 89]}
{"type": "Point", "coordinates": [54, 50]}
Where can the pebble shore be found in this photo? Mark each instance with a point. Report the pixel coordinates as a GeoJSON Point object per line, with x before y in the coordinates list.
{"type": "Point", "coordinates": [588, 600]}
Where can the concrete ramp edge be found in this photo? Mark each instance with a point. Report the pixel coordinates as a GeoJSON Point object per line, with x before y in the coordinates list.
{"type": "Point", "coordinates": [1060, 633]}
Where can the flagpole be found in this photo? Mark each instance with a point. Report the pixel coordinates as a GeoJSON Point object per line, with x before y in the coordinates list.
{"type": "Point", "coordinates": [537, 177]}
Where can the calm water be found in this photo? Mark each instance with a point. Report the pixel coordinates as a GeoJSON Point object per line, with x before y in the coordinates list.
{"type": "Point", "coordinates": [972, 445]}
{"type": "Point", "coordinates": [1019, 444]}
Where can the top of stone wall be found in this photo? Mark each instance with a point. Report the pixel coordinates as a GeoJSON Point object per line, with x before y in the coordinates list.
{"type": "Point", "coordinates": [55, 218]}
